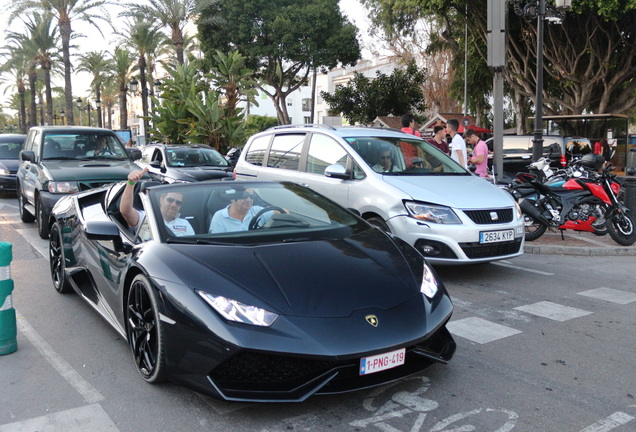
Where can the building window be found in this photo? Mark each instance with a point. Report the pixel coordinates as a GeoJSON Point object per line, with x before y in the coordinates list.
{"type": "Point", "coordinates": [307, 104]}
{"type": "Point", "coordinates": [307, 119]}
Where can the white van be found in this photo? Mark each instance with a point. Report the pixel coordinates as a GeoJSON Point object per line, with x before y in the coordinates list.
{"type": "Point", "coordinates": [397, 182]}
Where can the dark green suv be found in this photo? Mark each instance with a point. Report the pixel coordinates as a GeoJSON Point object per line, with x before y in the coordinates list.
{"type": "Point", "coordinates": [60, 160]}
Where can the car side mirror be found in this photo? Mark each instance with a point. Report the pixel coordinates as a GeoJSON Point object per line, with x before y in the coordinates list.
{"type": "Point", "coordinates": [104, 231]}
{"type": "Point", "coordinates": [27, 155]}
{"type": "Point", "coordinates": [134, 154]}
{"type": "Point", "coordinates": [337, 171]}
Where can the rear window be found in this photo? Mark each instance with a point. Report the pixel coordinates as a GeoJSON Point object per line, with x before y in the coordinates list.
{"type": "Point", "coordinates": [285, 151]}
{"type": "Point", "coordinates": [256, 153]}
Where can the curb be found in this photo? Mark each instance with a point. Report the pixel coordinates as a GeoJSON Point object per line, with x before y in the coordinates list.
{"type": "Point", "coordinates": [580, 250]}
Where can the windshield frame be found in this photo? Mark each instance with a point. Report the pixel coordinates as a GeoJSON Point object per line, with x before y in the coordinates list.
{"type": "Point", "coordinates": [309, 215]}
{"type": "Point", "coordinates": [410, 156]}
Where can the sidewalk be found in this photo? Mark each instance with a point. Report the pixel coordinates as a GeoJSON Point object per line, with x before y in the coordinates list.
{"type": "Point", "coordinates": [577, 243]}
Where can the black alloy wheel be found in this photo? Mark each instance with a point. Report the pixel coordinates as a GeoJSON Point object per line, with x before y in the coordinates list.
{"type": "Point", "coordinates": [56, 260]}
{"type": "Point", "coordinates": [143, 327]}
{"type": "Point", "coordinates": [25, 216]}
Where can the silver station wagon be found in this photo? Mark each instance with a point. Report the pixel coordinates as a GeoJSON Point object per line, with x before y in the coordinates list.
{"type": "Point", "coordinates": [398, 182]}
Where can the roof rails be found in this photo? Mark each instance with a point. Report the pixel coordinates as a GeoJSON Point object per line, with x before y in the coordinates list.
{"type": "Point", "coordinates": [304, 125]}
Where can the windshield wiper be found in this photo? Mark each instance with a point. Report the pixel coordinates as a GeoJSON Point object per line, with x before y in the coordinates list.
{"type": "Point", "coordinates": [195, 240]}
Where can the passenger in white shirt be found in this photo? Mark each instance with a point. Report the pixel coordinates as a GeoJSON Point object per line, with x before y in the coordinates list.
{"type": "Point", "coordinates": [169, 205]}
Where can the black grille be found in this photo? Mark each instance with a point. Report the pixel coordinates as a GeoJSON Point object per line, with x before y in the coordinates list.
{"type": "Point", "coordinates": [84, 185]}
{"type": "Point", "coordinates": [484, 217]}
{"type": "Point", "coordinates": [477, 250]}
{"type": "Point", "coordinates": [259, 376]}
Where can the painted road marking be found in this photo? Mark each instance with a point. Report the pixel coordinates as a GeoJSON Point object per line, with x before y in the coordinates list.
{"type": "Point", "coordinates": [87, 418]}
{"type": "Point", "coordinates": [607, 424]}
{"type": "Point", "coordinates": [553, 311]}
{"type": "Point", "coordinates": [479, 330]}
{"type": "Point", "coordinates": [83, 387]}
{"type": "Point", "coordinates": [32, 236]}
{"type": "Point", "coordinates": [610, 295]}
{"type": "Point", "coordinates": [510, 265]}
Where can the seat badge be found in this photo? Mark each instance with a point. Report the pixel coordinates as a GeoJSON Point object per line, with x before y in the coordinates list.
{"type": "Point", "coordinates": [494, 216]}
{"type": "Point", "coordinates": [372, 319]}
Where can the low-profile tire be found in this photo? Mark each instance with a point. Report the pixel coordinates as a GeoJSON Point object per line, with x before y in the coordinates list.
{"type": "Point", "coordinates": [42, 219]}
{"type": "Point", "coordinates": [378, 222]}
{"type": "Point", "coordinates": [534, 228]}
{"type": "Point", "coordinates": [56, 261]}
{"type": "Point", "coordinates": [622, 229]}
{"type": "Point", "coordinates": [144, 330]}
{"type": "Point", "coordinates": [25, 216]}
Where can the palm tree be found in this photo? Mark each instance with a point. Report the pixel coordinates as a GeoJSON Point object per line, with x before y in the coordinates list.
{"type": "Point", "coordinates": [174, 14]}
{"type": "Point", "coordinates": [110, 93]}
{"type": "Point", "coordinates": [43, 40]}
{"type": "Point", "coordinates": [144, 38]}
{"type": "Point", "coordinates": [15, 68]}
{"type": "Point", "coordinates": [65, 11]}
{"type": "Point", "coordinates": [122, 67]}
{"type": "Point", "coordinates": [96, 63]}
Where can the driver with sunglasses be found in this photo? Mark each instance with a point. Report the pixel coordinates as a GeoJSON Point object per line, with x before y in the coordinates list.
{"type": "Point", "coordinates": [169, 205]}
{"type": "Point", "coordinates": [238, 215]}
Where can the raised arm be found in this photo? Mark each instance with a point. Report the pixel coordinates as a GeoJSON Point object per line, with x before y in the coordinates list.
{"type": "Point", "coordinates": [126, 204]}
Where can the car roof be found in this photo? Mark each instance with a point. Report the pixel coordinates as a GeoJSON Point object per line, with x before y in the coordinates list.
{"type": "Point", "coordinates": [342, 131]}
{"type": "Point", "coordinates": [73, 129]}
{"type": "Point", "coordinates": [179, 146]}
{"type": "Point", "coordinates": [12, 138]}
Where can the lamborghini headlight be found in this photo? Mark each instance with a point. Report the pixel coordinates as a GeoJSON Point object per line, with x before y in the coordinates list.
{"type": "Point", "coordinates": [233, 310]}
{"type": "Point", "coordinates": [431, 213]}
{"type": "Point", "coordinates": [429, 282]}
{"type": "Point", "coordinates": [63, 187]}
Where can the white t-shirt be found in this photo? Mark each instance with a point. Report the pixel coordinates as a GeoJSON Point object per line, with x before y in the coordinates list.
{"type": "Point", "coordinates": [458, 145]}
{"type": "Point", "coordinates": [178, 226]}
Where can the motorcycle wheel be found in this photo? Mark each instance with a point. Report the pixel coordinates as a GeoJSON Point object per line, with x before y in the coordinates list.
{"type": "Point", "coordinates": [599, 225]}
{"type": "Point", "coordinates": [621, 229]}
{"type": "Point", "coordinates": [534, 228]}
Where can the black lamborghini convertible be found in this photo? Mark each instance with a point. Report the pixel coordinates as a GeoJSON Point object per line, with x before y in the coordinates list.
{"type": "Point", "coordinates": [304, 298]}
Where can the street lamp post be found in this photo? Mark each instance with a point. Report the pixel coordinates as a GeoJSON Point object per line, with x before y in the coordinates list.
{"type": "Point", "coordinates": [555, 14]}
{"type": "Point", "coordinates": [98, 108]}
{"type": "Point", "coordinates": [88, 110]}
{"type": "Point", "coordinates": [62, 114]}
{"type": "Point", "coordinates": [79, 107]}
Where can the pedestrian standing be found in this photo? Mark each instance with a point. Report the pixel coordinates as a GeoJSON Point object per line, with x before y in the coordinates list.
{"type": "Point", "coordinates": [457, 146]}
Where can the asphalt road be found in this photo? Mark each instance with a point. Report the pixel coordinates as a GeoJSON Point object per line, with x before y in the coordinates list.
{"type": "Point", "coordinates": [545, 343]}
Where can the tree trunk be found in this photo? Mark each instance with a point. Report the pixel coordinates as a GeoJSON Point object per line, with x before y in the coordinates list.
{"type": "Point", "coordinates": [33, 77]}
{"type": "Point", "coordinates": [98, 93]}
{"type": "Point", "coordinates": [22, 96]}
{"type": "Point", "coordinates": [144, 91]}
{"type": "Point", "coordinates": [64, 24]}
{"type": "Point", "coordinates": [123, 109]}
{"type": "Point", "coordinates": [48, 94]}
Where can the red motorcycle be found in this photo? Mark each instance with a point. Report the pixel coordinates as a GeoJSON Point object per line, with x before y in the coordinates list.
{"type": "Point", "coordinates": [579, 204]}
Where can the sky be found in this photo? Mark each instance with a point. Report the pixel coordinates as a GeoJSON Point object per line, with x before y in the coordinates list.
{"type": "Point", "coordinates": [81, 81]}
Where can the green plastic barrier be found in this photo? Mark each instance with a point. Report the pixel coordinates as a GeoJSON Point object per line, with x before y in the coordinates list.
{"type": "Point", "coordinates": [8, 330]}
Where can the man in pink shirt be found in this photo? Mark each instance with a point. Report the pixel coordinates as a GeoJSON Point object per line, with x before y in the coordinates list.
{"type": "Point", "coordinates": [480, 153]}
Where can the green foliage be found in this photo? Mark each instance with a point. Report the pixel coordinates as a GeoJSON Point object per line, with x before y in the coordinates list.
{"type": "Point", "coordinates": [363, 99]}
{"type": "Point", "coordinates": [256, 124]}
{"type": "Point", "coordinates": [281, 39]}
{"type": "Point", "coordinates": [189, 111]}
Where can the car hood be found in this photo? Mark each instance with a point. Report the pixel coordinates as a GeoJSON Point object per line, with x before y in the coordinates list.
{"type": "Point", "coordinates": [323, 278]}
{"type": "Point", "coordinates": [199, 173]}
{"type": "Point", "coordinates": [463, 192]}
{"type": "Point", "coordinates": [10, 164]}
{"type": "Point", "coordinates": [89, 170]}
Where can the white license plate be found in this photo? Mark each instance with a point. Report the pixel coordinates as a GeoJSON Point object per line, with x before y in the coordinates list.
{"type": "Point", "coordinates": [496, 236]}
{"type": "Point", "coordinates": [380, 362]}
